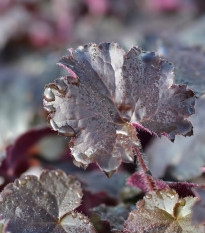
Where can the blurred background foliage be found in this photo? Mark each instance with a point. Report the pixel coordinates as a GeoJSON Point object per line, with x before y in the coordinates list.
{"type": "Point", "coordinates": [34, 34]}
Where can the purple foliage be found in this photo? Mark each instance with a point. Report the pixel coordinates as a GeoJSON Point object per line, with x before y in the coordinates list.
{"type": "Point", "coordinates": [183, 189]}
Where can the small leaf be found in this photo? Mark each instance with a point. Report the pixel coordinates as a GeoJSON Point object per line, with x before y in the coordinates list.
{"type": "Point", "coordinates": [198, 209]}
{"type": "Point", "coordinates": [44, 205]}
{"type": "Point", "coordinates": [111, 91]}
{"type": "Point", "coordinates": [162, 211]}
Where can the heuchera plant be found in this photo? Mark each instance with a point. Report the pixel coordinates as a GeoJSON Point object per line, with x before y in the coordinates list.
{"type": "Point", "coordinates": [106, 98]}
{"type": "Point", "coordinates": [108, 93]}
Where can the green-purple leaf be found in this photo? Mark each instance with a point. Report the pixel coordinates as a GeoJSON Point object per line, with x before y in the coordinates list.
{"type": "Point", "coordinates": [162, 211]}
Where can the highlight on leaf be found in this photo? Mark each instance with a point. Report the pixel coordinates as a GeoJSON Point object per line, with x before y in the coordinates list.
{"type": "Point", "coordinates": [44, 205]}
{"type": "Point", "coordinates": [108, 93]}
{"type": "Point", "coordinates": [162, 211]}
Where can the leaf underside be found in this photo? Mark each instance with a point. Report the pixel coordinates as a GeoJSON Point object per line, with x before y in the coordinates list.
{"type": "Point", "coordinates": [44, 205]}
{"type": "Point", "coordinates": [107, 93]}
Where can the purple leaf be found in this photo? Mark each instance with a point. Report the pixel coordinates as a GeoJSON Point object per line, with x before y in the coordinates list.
{"type": "Point", "coordinates": [183, 189]}
{"type": "Point", "coordinates": [138, 180]}
{"type": "Point", "coordinates": [108, 93]}
{"type": "Point", "coordinates": [198, 209]}
{"type": "Point", "coordinates": [44, 205]}
{"type": "Point", "coordinates": [162, 211]}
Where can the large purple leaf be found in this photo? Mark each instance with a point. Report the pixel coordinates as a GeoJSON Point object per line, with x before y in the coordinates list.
{"type": "Point", "coordinates": [108, 94]}
{"type": "Point", "coordinates": [44, 205]}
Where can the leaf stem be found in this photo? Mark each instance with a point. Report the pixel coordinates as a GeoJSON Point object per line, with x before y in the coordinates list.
{"type": "Point", "coordinates": [149, 181]}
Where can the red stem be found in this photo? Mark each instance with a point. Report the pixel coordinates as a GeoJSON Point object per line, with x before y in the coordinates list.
{"type": "Point", "coordinates": [150, 182]}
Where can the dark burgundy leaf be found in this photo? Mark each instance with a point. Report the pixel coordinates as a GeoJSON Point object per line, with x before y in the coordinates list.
{"type": "Point", "coordinates": [44, 205]}
{"type": "Point", "coordinates": [108, 94]}
{"type": "Point", "coordinates": [138, 180]}
{"type": "Point", "coordinates": [16, 159]}
{"type": "Point", "coordinates": [91, 200]}
{"type": "Point", "coordinates": [198, 209]}
{"type": "Point", "coordinates": [183, 189]}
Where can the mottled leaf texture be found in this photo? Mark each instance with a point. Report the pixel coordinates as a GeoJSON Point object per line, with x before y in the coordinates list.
{"type": "Point", "coordinates": [114, 215]}
{"type": "Point", "coordinates": [185, 156]}
{"type": "Point", "coordinates": [108, 93]}
{"type": "Point", "coordinates": [198, 209]}
{"type": "Point", "coordinates": [44, 205]}
{"type": "Point", "coordinates": [162, 211]}
{"type": "Point", "coordinates": [183, 189]}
